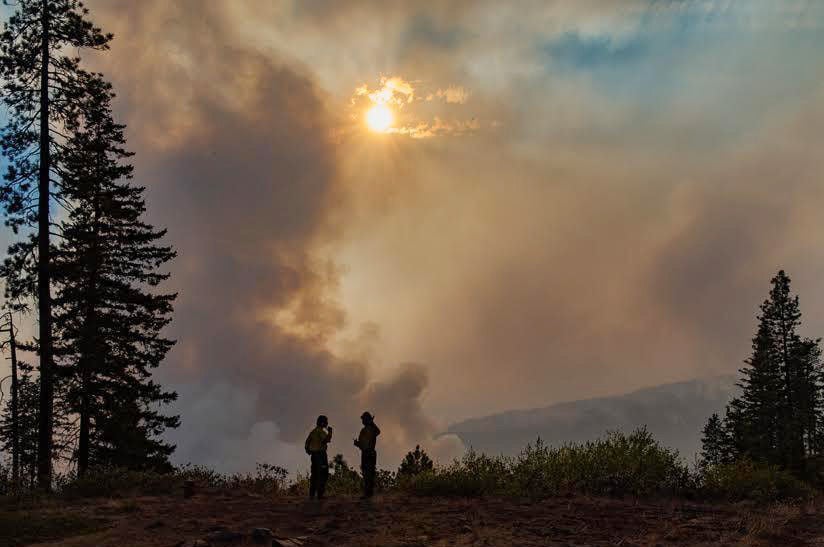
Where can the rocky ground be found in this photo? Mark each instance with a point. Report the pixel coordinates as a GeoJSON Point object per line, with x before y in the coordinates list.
{"type": "Point", "coordinates": [230, 518]}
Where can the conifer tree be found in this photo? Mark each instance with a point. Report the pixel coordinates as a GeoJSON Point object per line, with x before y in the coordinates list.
{"type": "Point", "coordinates": [779, 416]}
{"type": "Point", "coordinates": [715, 445]}
{"type": "Point", "coordinates": [40, 71]}
{"type": "Point", "coordinates": [28, 394]}
{"type": "Point", "coordinates": [415, 462]}
{"type": "Point", "coordinates": [109, 313]}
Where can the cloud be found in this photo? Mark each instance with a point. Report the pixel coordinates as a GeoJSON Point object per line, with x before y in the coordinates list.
{"type": "Point", "coordinates": [238, 152]}
{"type": "Point", "coordinates": [409, 102]}
{"type": "Point", "coordinates": [617, 229]}
{"type": "Point", "coordinates": [393, 90]}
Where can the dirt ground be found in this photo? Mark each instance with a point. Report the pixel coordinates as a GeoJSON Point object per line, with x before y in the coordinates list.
{"type": "Point", "coordinates": [396, 520]}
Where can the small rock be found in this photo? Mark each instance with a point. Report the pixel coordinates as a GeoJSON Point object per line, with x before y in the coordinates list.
{"type": "Point", "coordinates": [262, 535]}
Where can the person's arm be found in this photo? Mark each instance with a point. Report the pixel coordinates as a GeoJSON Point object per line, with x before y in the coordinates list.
{"type": "Point", "coordinates": [306, 444]}
{"type": "Point", "coordinates": [328, 435]}
{"type": "Point", "coordinates": [377, 429]}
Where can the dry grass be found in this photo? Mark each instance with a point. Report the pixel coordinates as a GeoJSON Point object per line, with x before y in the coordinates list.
{"type": "Point", "coordinates": [397, 520]}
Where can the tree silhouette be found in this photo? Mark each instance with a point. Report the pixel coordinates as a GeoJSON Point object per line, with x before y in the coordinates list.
{"type": "Point", "coordinates": [779, 416]}
{"type": "Point", "coordinates": [415, 462]}
{"type": "Point", "coordinates": [27, 426]}
{"type": "Point", "coordinates": [107, 311]}
{"type": "Point", "coordinates": [40, 90]}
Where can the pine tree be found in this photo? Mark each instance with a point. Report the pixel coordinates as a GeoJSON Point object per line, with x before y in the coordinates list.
{"type": "Point", "coordinates": [779, 416]}
{"type": "Point", "coordinates": [40, 90]}
{"type": "Point", "coordinates": [29, 395]}
{"type": "Point", "coordinates": [715, 444]}
{"type": "Point", "coordinates": [108, 314]}
{"type": "Point", "coordinates": [415, 462]}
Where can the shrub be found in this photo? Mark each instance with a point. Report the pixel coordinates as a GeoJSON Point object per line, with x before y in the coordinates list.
{"type": "Point", "coordinates": [617, 465]}
{"type": "Point", "coordinates": [117, 482]}
{"type": "Point", "coordinates": [473, 475]}
{"type": "Point", "coordinates": [746, 479]}
{"type": "Point", "coordinates": [267, 478]}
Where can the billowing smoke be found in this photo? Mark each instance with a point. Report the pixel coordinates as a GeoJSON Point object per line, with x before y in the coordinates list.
{"type": "Point", "coordinates": [237, 149]}
{"type": "Point", "coordinates": [634, 177]}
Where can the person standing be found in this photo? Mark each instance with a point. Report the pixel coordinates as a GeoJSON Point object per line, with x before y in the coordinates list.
{"type": "Point", "coordinates": [315, 446]}
{"type": "Point", "coordinates": [367, 441]}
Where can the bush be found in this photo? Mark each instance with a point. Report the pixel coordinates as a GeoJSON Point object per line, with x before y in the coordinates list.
{"type": "Point", "coordinates": [745, 479]}
{"type": "Point", "coordinates": [617, 465]}
{"type": "Point", "coordinates": [117, 482]}
{"type": "Point", "coordinates": [472, 476]}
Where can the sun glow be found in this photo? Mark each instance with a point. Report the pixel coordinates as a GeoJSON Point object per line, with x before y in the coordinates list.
{"type": "Point", "coordinates": [379, 118]}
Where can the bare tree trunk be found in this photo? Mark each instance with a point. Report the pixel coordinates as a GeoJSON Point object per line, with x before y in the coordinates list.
{"type": "Point", "coordinates": [44, 439]}
{"type": "Point", "coordinates": [15, 402]}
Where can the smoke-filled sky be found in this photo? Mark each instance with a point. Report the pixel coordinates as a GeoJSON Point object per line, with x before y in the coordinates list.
{"type": "Point", "coordinates": [437, 210]}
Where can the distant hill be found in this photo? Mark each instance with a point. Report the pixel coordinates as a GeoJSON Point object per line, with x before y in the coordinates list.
{"type": "Point", "coordinates": [673, 413]}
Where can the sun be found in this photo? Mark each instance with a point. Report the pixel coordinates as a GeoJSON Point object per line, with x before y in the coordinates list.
{"type": "Point", "coordinates": [379, 118]}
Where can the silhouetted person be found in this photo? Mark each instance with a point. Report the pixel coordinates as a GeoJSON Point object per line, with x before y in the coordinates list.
{"type": "Point", "coordinates": [316, 448]}
{"type": "Point", "coordinates": [369, 457]}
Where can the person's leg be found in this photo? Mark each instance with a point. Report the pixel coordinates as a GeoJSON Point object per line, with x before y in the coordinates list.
{"type": "Point", "coordinates": [315, 477]}
{"type": "Point", "coordinates": [313, 480]}
{"type": "Point", "coordinates": [323, 477]}
{"type": "Point", "coordinates": [369, 483]}
{"type": "Point", "coordinates": [368, 468]}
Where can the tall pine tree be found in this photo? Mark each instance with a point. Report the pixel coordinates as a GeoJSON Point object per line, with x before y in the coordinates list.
{"type": "Point", "coordinates": [779, 417]}
{"type": "Point", "coordinates": [108, 312]}
{"type": "Point", "coordinates": [40, 73]}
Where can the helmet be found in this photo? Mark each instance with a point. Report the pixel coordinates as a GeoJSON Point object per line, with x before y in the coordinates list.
{"type": "Point", "coordinates": [366, 416]}
{"type": "Point", "coordinates": [322, 420]}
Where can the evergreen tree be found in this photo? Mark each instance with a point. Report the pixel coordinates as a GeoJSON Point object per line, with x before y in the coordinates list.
{"type": "Point", "coordinates": [29, 395]}
{"type": "Point", "coordinates": [40, 72]}
{"type": "Point", "coordinates": [778, 417]}
{"type": "Point", "coordinates": [715, 444]}
{"type": "Point", "coordinates": [108, 312]}
{"type": "Point", "coordinates": [415, 462]}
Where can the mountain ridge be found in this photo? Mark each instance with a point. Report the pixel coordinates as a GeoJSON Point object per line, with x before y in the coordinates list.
{"type": "Point", "coordinates": [674, 413]}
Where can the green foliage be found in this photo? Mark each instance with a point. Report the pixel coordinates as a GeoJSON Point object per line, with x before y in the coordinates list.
{"type": "Point", "coordinates": [748, 480]}
{"type": "Point", "coordinates": [473, 475]}
{"type": "Point", "coordinates": [617, 465]}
